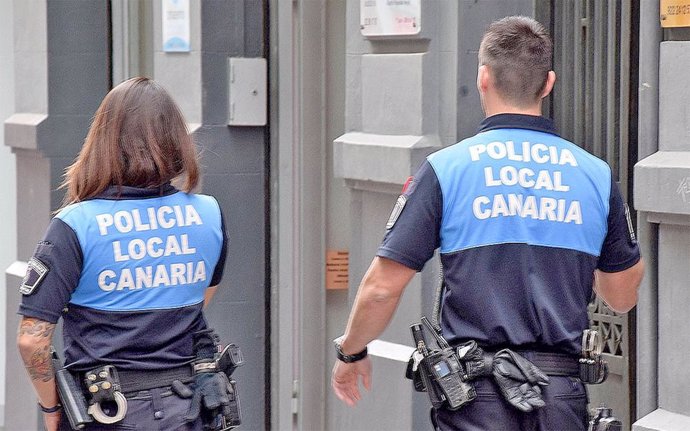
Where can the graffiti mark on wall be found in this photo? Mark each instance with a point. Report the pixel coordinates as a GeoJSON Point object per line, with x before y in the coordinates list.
{"type": "Point", "coordinates": [684, 189]}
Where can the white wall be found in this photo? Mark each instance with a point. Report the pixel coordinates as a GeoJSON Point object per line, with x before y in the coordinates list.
{"type": "Point", "coordinates": [8, 198]}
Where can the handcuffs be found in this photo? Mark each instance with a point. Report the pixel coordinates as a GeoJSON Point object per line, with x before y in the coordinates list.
{"type": "Point", "coordinates": [593, 368]}
{"type": "Point", "coordinates": [103, 384]}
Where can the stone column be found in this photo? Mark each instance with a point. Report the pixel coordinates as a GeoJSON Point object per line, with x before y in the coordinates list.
{"type": "Point", "coordinates": [393, 103]}
{"type": "Point", "coordinates": [662, 192]}
{"type": "Point", "coordinates": [61, 75]}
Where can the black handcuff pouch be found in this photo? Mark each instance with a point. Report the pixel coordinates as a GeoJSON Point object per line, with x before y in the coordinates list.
{"type": "Point", "coordinates": [104, 390]}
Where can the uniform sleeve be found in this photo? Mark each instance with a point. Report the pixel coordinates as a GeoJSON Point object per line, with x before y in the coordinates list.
{"type": "Point", "coordinates": [220, 266]}
{"type": "Point", "coordinates": [413, 228]}
{"type": "Point", "coordinates": [620, 250]}
{"type": "Point", "coordinates": [59, 257]}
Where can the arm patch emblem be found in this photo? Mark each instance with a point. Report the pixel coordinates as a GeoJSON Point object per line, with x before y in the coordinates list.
{"type": "Point", "coordinates": [397, 210]}
{"type": "Point", "coordinates": [631, 230]}
{"type": "Point", "coordinates": [35, 273]}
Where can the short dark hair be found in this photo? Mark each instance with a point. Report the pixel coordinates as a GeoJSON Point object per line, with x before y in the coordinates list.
{"type": "Point", "coordinates": [138, 137]}
{"type": "Point", "coordinates": [517, 50]}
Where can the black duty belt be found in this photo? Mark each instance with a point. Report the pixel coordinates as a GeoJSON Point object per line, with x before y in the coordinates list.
{"type": "Point", "coordinates": [553, 364]}
{"type": "Point", "coordinates": [132, 381]}
{"type": "Point", "coordinates": [141, 380]}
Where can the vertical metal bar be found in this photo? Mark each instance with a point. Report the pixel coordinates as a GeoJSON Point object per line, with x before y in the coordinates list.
{"type": "Point", "coordinates": [624, 129]}
{"type": "Point", "coordinates": [589, 75]}
{"type": "Point", "coordinates": [560, 66]}
{"type": "Point", "coordinates": [578, 73]}
{"type": "Point", "coordinates": [284, 138]}
{"type": "Point", "coordinates": [610, 128]}
{"type": "Point", "coordinates": [568, 48]}
{"type": "Point", "coordinates": [599, 47]}
{"type": "Point", "coordinates": [566, 120]}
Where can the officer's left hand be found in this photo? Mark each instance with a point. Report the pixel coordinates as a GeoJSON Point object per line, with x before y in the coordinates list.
{"type": "Point", "coordinates": [52, 420]}
{"type": "Point", "coordinates": [345, 380]}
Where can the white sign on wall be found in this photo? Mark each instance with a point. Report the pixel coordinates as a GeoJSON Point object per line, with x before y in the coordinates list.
{"type": "Point", "coordinates": [390, 17]}
{"type": "Point", "coordinates": [176, 26]}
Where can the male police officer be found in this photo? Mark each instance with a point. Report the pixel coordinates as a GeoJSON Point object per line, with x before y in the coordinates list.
{"type": "Point", "coordinates": [528, 225]}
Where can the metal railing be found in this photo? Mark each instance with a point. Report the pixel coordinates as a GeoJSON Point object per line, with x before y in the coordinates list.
{"type": "Point", "coordinates": [591, 104]}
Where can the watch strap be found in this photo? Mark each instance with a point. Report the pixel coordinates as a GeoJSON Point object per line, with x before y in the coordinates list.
{"type": "Point", "coordinates": [348, 359]}
{"type": "Point", "coordinates": [55, 408]}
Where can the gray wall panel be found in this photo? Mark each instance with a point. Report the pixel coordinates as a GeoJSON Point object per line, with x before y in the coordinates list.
{"type": "Point", "coordinates": [67, 74]}
{"type": "Point", "coordinates": [33, 201]}
{"type": "Point", "coordinates": [237, 309]}
{"type": "Point", "coordinates": [63, 73]}
{"type": "Point", "coordinates": [21, 412]}
{"type": "Point", "coordinates": [254, 25]}
{"type": "Point", "coordinates": [62, 136]}
{"type": "Point", "coordinates": [674, 301]}
{"type": "Point", "coordinates": [226, 150]}
{"type": "Point", "coordinates": [233, 165]}
{"type": "Point", "coordinates": [228, 19]}
{"type": "Point", "coordinates": [80, 21]}
{"type": "Point", "coordinates": [474, 18]}
{"type": "Point", "coordinates": [8, 192]}
{"type": "Point", "coordinates": [674, 117]}
{"type": "Point", "coordinates": [215, 75]}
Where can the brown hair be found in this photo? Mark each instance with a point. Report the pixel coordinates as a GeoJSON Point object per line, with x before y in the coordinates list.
{"type": "Point", "coordinates": [518, 52]}
{"type": "Point", "coordinates": [138, 137]}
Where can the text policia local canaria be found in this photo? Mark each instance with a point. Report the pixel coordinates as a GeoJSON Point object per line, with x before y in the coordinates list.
{"type": "Point", "coordinates": [164, 217]}
{"type": "Point", "coordinates": [517, 204]}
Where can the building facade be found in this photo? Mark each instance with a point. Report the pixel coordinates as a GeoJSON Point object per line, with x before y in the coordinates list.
{"type": "Point", "coordinates": [310, 115]}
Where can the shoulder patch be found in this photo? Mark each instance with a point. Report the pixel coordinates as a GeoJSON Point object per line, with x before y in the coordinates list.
{"type": "Point", "coordinates": [397, 210]}
{"type": "Point", "coordinates": [409, 186]}
{"type": "Point", "coordinates": [35, 272]}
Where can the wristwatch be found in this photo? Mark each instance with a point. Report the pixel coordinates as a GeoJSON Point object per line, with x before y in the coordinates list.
{"type": "Point", "coordinates": [348, 359]}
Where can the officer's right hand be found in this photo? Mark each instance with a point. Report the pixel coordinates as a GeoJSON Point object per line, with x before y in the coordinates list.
{"type": "Point", "coordinates": [345, 380]}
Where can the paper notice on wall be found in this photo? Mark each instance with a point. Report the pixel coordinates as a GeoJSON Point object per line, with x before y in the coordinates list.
{"type": "Point", "coordinates": [337, 269]}
{"type": "Point", "coordinates": [390, 17]}
{"type": "Point", "coordinates": [176, 26]}
{"type": "Point", "coordinates": [674, 13]}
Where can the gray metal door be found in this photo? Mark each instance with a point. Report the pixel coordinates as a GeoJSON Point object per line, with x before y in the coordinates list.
{"type": "Point", "coordinates": [233, 160]}
{"type": "Point", "coordinates": [594, 106]}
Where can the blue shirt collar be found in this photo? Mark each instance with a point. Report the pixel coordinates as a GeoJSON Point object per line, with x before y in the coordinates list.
{"type": "Point", "coordinates": [518, 121]}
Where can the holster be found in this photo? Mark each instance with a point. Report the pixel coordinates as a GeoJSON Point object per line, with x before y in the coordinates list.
{"type": "Point", "coordinates": [438, 372]}
{"type": "Point", "coordinates": [223, 362]}
{"type": "Point", "coordinates": [413, 373]}
{"type": "Point", "coordinates": [70, 394]}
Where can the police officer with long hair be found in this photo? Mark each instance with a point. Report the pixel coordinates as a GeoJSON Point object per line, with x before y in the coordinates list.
{"type": "Point", "coordinates": [128, 263]}
{"type": "Point", "coordinates": [528, 225]}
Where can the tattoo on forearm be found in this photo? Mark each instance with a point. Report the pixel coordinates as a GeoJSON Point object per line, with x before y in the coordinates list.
{"type": "Point", "coordinates": [36, 327]}
{"type": "Point", "coordinates": [37, 356]}
{"type": "Point", "coordinates": [39, 365]}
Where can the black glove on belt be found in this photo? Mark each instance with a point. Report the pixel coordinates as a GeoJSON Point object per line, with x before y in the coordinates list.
{"type": "Point", "coordinates": [477, 363]}
{"type": "Point", "coordinates": [210, 392]}
{"type": "Point", "coordinates": [519, 380]}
